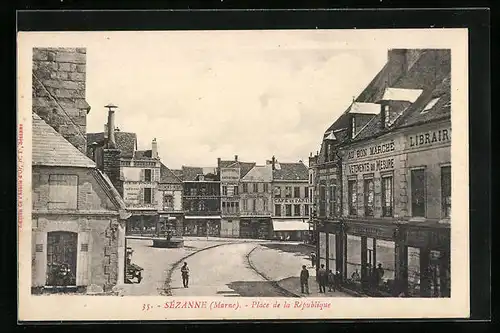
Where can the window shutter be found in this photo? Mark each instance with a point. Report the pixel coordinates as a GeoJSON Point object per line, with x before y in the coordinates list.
{"type": "Point", "coordinates": [82, 264]}
{"type": "Point", "coordinates": [142, 175]}
{"type": "Point", "coordinates": [40, 264]}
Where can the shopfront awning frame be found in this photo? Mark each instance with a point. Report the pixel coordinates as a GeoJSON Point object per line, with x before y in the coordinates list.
{"type": "Point", "coordinates": [290, 225]}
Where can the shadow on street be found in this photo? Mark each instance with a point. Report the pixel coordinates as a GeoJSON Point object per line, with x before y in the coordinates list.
{"type": "Point", "coordinates": [299, 250]}
{"type": "Point", "coordinates": [253, 289]}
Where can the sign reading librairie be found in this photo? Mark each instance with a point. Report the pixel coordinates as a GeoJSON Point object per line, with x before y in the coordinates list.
{"type": "Point", "coordinates": [428, 138]}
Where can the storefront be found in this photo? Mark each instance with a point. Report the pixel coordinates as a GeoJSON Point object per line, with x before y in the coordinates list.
{"type": "Point", "coordinates": [256, 228]}
{"type": "Point", "coordinates": [143, 223]}
{"type": "Point", "coordinates": [202, 226]}
{"type": "Point", "coordinates": [292, 230]}
{"type": "Point", "coordinates": [170, 222]}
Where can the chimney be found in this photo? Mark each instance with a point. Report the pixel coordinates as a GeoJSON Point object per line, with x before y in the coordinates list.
{"type": "Point", "coordinates": [154, 148]}
{"type": "Point", "coordinates": [218, 162]}
{"type": "Point", "coordinates": [383, 114]}
{"type": "Point", "coordinates": [236, 158]}
{"type": "Point", "coordinates": [111, 155]}
{"type": "Point", "coordinates": [273, 162]}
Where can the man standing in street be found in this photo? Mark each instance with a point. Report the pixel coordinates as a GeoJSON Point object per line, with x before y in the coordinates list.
{"type": "Point", "coordinates": [304, 280]}
{"type": "Point", "coordinates": [185, 275]}
{"type": "Point", "coordinates": [322, 279]}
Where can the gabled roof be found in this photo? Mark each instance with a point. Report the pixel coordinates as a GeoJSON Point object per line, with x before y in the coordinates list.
{"type": "Point", "coordinates": [49, 148]}
{"type": "Point", "coordinates": [291, 171]}
{"type": "Point", "coordinates": [259, 173]}
{"type": "Point", "coordinates": [190, 173]}
{"type": "Point", "coordinates": [244, 166]}
{"type": "Point", "coordinates": [177, 173]}
{"type": "Point", "coordinates": [167, 176]}
{"type": "Point", "coordinates": [125, 141]}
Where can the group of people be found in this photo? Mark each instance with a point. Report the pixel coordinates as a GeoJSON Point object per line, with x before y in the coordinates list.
{"type": "Point", "coordinates": [325, 279]}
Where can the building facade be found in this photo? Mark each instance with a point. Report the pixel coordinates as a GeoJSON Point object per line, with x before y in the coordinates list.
{"type": "Point", "coordinates": [230, 198]}
{"type": "Point", "coordinates": [255, 203]}
{"type": "Point", "coordinates": [171, 214]}
{"type": "Point", "coordinates": [78, 229]}
{"type": "Point", "coordinates": [290, 198]}
{"type": "Point", "coordinates": [201, 202]}
{"type": "Point", "coordinates": [394, 180]}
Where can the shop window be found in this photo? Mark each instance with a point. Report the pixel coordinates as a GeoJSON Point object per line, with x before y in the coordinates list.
{"type": "Point", "coordinates": [245, 188]}
{"type": "Point", "coordinates": [277, 210]}
{"type": "Point", "coordinates": [333, 200]}
{"type": "Point", "coordinates": [446, 191]}
{"type": "Point", "coordinates": [255, 187]}
{"type": "Point", "coordinates": [288, 210]}
{"type": "Point", "coordinates": [63, 192]}
{"type": "Point", "coordinates": [387, 195]}
{"type": "Point", "coordinates": [369, 195]}
{"type": "Point", "coordinates": [288, 192]}
{"type": "Point", "coordinates": [296, 210]}
{"type": "Point", "coordinates": [147, 175]}
{"type": "Point", "coordinates": [352, 197]}
{"type": "Point", "coordinates": [322, 200]}
{"type": "Point", "coordinates": [224, 190]}
{"type": "Point", "coordinates": [296, 192]}
{"type": "Point", "coordinates": [148, 195]}
{"type": "Point", "coordinates": [418, 192]}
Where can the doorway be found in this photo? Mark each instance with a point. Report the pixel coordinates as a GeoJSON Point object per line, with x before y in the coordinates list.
{"type": "Point", "coordinates": [62, 247]}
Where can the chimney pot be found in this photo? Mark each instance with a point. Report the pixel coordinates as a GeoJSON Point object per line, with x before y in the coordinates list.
{"type": "Point", "coordinates": [111, 126]}
{"type": "Point", "coordinates": [154, 148]}
{"type": "Point", "coordinates": [236, 158]}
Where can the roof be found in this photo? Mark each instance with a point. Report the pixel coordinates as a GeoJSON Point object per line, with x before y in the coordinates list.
{"type": "Point", "coordinates": [177, 173]}
{"type": "Point", "coordinates": [245, 167]}
{"type": "Point", "coordinates": [142, 154]}
{"type": "Point", "coordinates": [190, 173]}
{"type": "Point", "coordinates": [259, 173]}
{"type": "Point", "coordinates": [291, 171]}
{"type": "Point", "coordinates": [167, 176]}
{"type": "Point", "coordinates": [51, 149]}
{"type": "Point", "coordinates": [125, 141]}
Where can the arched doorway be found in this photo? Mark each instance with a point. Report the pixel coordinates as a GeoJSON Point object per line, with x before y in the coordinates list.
{"type": "Point", "coordinates": [62, 247]}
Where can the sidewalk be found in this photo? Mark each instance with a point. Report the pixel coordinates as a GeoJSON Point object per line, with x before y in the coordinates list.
{"type": "Point", "coordinates": [208, 239]}
{"type": "Point", "coordinates": [282, 263]}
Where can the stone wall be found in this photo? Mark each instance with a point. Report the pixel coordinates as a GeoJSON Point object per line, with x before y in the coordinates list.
{"type": "Point", "coordinates": [59, 91]}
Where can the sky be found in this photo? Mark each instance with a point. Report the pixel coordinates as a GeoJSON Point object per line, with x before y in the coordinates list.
{"type": "Point", "coordinates": [205, 95]}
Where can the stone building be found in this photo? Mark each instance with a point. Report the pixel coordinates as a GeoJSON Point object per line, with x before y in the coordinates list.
{"type": "Point", "coordinates": [230, 173]}
{"type": "Point", "coordinates": [171, 214]}
{"type": "Point", "coordinates": [291, 202]}
{"type": "Point", "coordinates": [78, 216]}
{"type": "Point", "coordinates": [392, 177]}
{"type": "Point", "coordinates": [201, 201]}
{"type": "Point", "coordinates": [312, 195]}
{"type": "Point", "coordinates": [256, 203]}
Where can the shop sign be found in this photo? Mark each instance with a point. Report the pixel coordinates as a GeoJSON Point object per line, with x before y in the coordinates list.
{"type": "Point", "coordinates": [377, 149]}
{"type": "Point", "coordinates": [372, 166]}
{"type": "Point", "coordinates": [429, 137]}
{"type": "Point", "coordinates": [291, 200]}
{"type": "Point", "coordinates": [230, 174]}
{"type": "Point", "coordinates": [372, 232]}
{"type": "Point", "coordinates": [131, 193]}
{"type": "Point", "coordinates": [427, 238]}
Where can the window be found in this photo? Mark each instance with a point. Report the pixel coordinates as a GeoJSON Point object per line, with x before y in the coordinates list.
{"type": "Point", "coordinates": [333, 200]}
{"type": "Point", "coordinates": [224, 190]}
{"type": "Point", "coordinates": [322, 200]}
{"type": "Point", "coordinates": [418, 192]}
{"type": "Point", "coordinates": [306, 210]}
{"type": "Point", "coordinates": [245, 188]}
{"type": "Point", "coordinates": [264, 205]}
{"type": "Point", "coordinates": [306, 192]}
{"type": "Point", "coordinates": [266, 187]}
{"type": "Point", "coordinates": [62, 251]}
{"type": "Point", "coordinates": [288, 210]}
{"type": "Point", "coordinates": [296, 192]}
{"type": "Point", "coordinates": [224, 209]}
{"type": "Point", "coordinates": [147, 175]}
{"type": "Point", "coordinates": [310, 179]}
{"type": "Point", "coordinates": [148, 195]}
{"type": "Point", "coordinates": [288, 192]}
{"type": "Point", "coordinates": [201, 206]}
{"type": "Point", "coordinates": [254, 205]}
{"type": "Point", "coordinates": [192, 191]}
{"type": "Point", "coordinates": [245, 206]}
{"type": "Point", "coordinates": [168, 202]}
{"type": "Point", "coordinates": [256, 187]}
{"type": "Point", "coordinates": [310, 193]}
{"type": "Point", "coordinates": [277, 192]}
{"type": "Point", "coordinates": [63, 192]}
{"type": "Point", "coordinates": [387, 196]}
{"type": "Point", "coordinates": [446, 191]}
{"type": "Point", "coordinates": [430, 105]}
{"type": "Point", "coordinates": [352, 196]}
{"type": "Point", "coordinates": [277, 210]}
{"type": "Point", "coordinates": [236, 190]}
{"type": "Point", "coordinates": [369, 195]}
{"type": "Point", "coordinates": [296, 210]}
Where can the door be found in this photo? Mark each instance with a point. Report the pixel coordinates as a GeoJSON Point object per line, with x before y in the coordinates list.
{"type": "Point", "coordinates": [62, 247]}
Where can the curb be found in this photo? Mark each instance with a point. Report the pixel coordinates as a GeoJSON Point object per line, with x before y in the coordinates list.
{"type": "Point", "coordinates": [166, 286]}
{"type": "Point", "coordinates": [274, 283]}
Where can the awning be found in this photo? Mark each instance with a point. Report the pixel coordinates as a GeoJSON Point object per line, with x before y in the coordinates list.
{"type": "Point", "coordinates": [202, 217]}
{"type": "Point", "coordinates": [290, 225]}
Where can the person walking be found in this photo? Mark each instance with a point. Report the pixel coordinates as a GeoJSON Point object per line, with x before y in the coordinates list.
{"type": "Point", "coordinates": [185, 275]}
{"type": "Point", "coordinates": [331, 281]}
{"type": "Point", "coordinates": [380, 274]}
{"type": "Point", "coordinates": [337, 279]}
{"type": "Point", "coordinates": [322, 279]}
{"type": "Point", "coordinates": [313, 259]}
{"type": "Point", "coordinates": [304, 280]}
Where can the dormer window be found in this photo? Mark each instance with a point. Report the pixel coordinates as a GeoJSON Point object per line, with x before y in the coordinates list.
{"type": "Point", "coordinates": [430, 105]}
